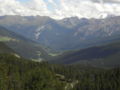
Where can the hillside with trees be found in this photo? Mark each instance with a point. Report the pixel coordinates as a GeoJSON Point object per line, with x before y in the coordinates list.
{"type": "Point", "coordinates": [20, 74]}
{"type": "Point", "coordinates": [107, 55]}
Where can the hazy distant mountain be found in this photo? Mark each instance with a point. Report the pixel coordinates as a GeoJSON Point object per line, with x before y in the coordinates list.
{"type": "Point", "coordinates": [22, 46]}
{"type": "Point", "coordinates": [99, 56]}
{"type": "Point", "coordinates": [65, 34]}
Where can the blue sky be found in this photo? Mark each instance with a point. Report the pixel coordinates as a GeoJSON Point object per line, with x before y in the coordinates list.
{"type": "Point", "coordinates": [23, 0]}
{"type": "Point", "coordinates": [49, 6]}
{"type": "Point", "coordinates": [44, 0]}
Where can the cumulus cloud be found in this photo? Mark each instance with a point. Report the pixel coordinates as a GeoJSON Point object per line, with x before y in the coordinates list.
{"type": "Point", "coordinates": [65, 8]}
{"type": "Point", "coordinates": [107, 1]}
{"type": "Point", "coordinates": [14, 7]}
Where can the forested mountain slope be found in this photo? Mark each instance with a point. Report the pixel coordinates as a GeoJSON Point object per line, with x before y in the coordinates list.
{"type": "Point", "coordinates": [5, 49]}
{"type": "Point", "coordinates": [104, 55]}
{"type": "Point", "coordinates": [23, 46]}
{"type": "Point", "coordinates": [21, 74]}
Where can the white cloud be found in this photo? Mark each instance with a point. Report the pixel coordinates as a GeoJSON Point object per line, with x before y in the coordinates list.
{"type": "Point", "coordinates": [66, 8]}
{"type": "Point", "coordinates": [14, 7]}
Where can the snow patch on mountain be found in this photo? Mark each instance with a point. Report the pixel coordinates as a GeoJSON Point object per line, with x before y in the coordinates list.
{"type": "Point", "coordinates": [38, 32]}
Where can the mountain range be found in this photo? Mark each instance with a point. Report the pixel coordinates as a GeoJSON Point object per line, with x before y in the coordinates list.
{"type": "Point", "coordinates": [68, 41]}
{"type": "Point", "coordinates": [65, 34]}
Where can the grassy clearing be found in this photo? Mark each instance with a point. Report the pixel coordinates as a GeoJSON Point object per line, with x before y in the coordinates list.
{"type": "Point", "coordinates": [6, 39]}
{"type": "Point", "coordinates": [54, 54]}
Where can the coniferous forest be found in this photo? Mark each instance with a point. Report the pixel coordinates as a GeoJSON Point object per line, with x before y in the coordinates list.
{"type": "Point", "coordinates": [21, 74]}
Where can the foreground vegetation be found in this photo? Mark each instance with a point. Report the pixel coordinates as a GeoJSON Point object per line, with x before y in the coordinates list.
{"type": "Point", "coordinates": [19, 74]}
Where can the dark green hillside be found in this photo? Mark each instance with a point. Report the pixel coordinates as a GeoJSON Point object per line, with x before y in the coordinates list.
{"type": "Point", "coordinates": [20, 74]}
{"type": "Point", "coordinates": [24, 47]}
{"type": "Point", "coordinates": [5, 49]}
{"type": "Point", "coordinates": [100, 55]}
{"type": "Point", "coordinates": [29, 50]}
